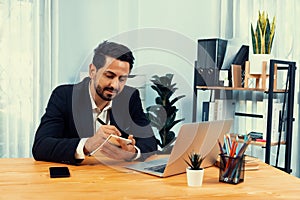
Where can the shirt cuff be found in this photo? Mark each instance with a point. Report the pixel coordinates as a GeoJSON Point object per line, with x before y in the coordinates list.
{"type": "Point", "coordinates": [138, 154]}
{"type": "Point", "coordinates": [79, 154]}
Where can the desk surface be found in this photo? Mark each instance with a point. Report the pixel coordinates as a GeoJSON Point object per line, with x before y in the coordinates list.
{"type": "Point", "coordinates": [24, 178]}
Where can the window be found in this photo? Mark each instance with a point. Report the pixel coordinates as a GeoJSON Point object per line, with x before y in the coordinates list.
{"type": "Point", "coordinates": [17, 81]}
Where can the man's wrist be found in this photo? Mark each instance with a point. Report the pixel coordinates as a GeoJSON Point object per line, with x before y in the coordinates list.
{"type": "Point", "coordinates": [80, 150]}
{"type": "Point", "coordinates": [85, 151]}
{"type": "Point", "coordinates": [136, 156]}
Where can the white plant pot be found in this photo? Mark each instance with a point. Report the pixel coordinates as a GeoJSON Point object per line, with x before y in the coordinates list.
{"type": "Point", "coordinates": [194, 177]}
{"type": "Point", "coordinates": [256, 61]}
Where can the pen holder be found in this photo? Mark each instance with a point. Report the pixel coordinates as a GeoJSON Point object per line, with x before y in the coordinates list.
{"type": "Point", "coordinates": [232, 169]}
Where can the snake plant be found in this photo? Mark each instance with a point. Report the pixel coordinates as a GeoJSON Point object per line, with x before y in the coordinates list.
{"type": "Point", "coordinates": [262, 37]}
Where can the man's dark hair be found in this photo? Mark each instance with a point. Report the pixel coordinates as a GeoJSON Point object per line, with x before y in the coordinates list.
{"type": "Point", "coordinates": [114, 50]}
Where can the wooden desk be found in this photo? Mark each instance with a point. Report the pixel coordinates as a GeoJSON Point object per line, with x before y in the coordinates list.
{"type": "Point", "coordinates": [24, 178]}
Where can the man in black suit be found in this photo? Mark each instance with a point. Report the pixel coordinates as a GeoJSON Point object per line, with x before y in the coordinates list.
{"type": "Point", "coordinates": [80, 117]}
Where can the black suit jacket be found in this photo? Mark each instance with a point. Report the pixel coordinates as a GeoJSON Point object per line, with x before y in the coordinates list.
{"type": "Point", "coordinates": [68, 118]}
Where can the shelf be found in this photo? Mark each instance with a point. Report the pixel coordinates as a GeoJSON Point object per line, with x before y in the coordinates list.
{"type": "Point", "coordinates": [253, 142]}
{"type": "Point", "coordinates": [235, 88]}
{"type": "Point", "coordinates": [289, 93]}
{"type": "Point", "coordinates": [262, 144]}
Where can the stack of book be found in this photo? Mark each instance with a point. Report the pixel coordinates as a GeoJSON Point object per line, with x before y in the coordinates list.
{"type": "Point", "coordinates": [218, 110]}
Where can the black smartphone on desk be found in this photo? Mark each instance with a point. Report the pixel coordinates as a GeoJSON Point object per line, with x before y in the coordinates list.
{"type": "Point", "coordinates": [59, 172]}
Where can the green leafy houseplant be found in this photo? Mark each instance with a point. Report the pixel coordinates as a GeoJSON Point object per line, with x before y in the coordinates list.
{"type": "Point", "coordinates": [195, 161]}
{"type": "Point", "coordinates": [262, 37]}
{"type": "Point", "coordinates": [163, 114]}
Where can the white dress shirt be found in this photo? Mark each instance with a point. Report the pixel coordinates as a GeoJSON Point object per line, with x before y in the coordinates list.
{"type": "Point", "coordinates": [102, 115]}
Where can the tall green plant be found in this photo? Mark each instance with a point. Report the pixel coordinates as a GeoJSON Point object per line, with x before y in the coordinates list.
{"type": "Point", "coordinates": [262, 37]}
{"type": "Point", "coordinates": [163, 114]}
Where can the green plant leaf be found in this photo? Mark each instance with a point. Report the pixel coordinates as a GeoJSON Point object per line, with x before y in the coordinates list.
{"type": "Point", "coordinates": [176, 99]}
{"type": "Point", "coordinates": [158, 100]}
{"type": "Point", "coordinates": [169, 94]}
{"type": "Point", "coordinates": [155, 79]}
{"type": "Point", "coordinates": [170, 137]}
{"type": "Point", "coordinates": [157, 116]}
{"type": "Point", "coordinates": [177, 121]}
{"type": "Point", "coordinates": [165, 81]}
{"type": "Point", "coordinates": [258, 33]}
{"type": "Point", "coordinates": [267, 37]}
{"type": "Point", "coordinates": [159, 92]}
{"type": "Point", "coordinates": [195, 161]}
{"type": "Point", "coordinates": [254, 40]}
{"type": "Point", "coordinates": [272, 34]}
{"type": "Point", "coordinates": [154, 121]}
{"type": "Point", "coordinates": [262, 37]}
{"type": "Point", "coordinates": [170, 77]}
{"type": "Point", "coordinates": [172, 86]}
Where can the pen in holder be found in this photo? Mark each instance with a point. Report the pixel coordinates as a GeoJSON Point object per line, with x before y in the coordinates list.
{"type": "Point", "coordinates": [232, 169]}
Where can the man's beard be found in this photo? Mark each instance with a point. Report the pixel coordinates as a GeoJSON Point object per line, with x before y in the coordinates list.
{"type": "Point", "coordinates": [100, 92]}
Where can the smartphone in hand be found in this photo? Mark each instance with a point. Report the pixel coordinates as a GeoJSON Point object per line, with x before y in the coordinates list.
{"type": "Point", "coordinates": [113, 140]}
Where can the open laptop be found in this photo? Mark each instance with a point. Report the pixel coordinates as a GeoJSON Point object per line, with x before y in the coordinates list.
{"type": "Point", "coordinates": [198, 137]}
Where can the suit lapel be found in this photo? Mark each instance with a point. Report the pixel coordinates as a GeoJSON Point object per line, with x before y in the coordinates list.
{"type": "Point", "coordinates": [82, 109]}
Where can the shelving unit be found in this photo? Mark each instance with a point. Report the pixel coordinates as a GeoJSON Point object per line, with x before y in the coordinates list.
{"type": "Point", "coordinates": [288, 102]}
{"type": "Point", "coordinates": [291, 68]}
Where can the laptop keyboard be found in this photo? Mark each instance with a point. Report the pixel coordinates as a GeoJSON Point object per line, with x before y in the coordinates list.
{"type": "Point", "coordinates": [158, 168]}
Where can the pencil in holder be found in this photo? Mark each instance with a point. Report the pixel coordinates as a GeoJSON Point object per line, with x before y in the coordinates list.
{"type": "Point", "coordinates": [232, 169]}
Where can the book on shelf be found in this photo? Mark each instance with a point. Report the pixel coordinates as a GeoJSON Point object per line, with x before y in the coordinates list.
{"type": "Point", "coordinates": [276, 112]}
{"type": "Point", "coordinates": [244, 124]}
{"type": "Point", "coordinates": [240, 122]}
{"type": "Point", "coordinates": [260, 124]}
{"type": "Point", "coordinates": [205, 110]}
{"type": "Point", "coordinates": [249, 122]}
{"type": "Point", "coordinates": [218, 110]}
{"type": "Point", "coordinates": [225, 109]}
{"type": "Point", "coordinates": [236, 72]}
{"type": "Point", "coordinates": [208, 111]}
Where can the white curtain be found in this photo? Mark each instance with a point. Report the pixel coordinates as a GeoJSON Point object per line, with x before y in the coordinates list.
{"type": "Point", "coordinates": [23, 81]}
{"type": "Point", "coordinates": [236, 26]}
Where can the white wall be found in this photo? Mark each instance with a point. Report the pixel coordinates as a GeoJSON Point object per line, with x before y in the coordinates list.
{"type": "Point", "coordinates": [162, 34]}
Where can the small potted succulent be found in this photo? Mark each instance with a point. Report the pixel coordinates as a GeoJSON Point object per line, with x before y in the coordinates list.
{"type": "Point", "coordinates": [194, 171]}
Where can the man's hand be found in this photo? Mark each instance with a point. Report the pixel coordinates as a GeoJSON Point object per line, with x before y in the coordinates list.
{"type": "Point", "coordinates": [102, 133]}
{"type": "Point", "coordinates": [124, 152]}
